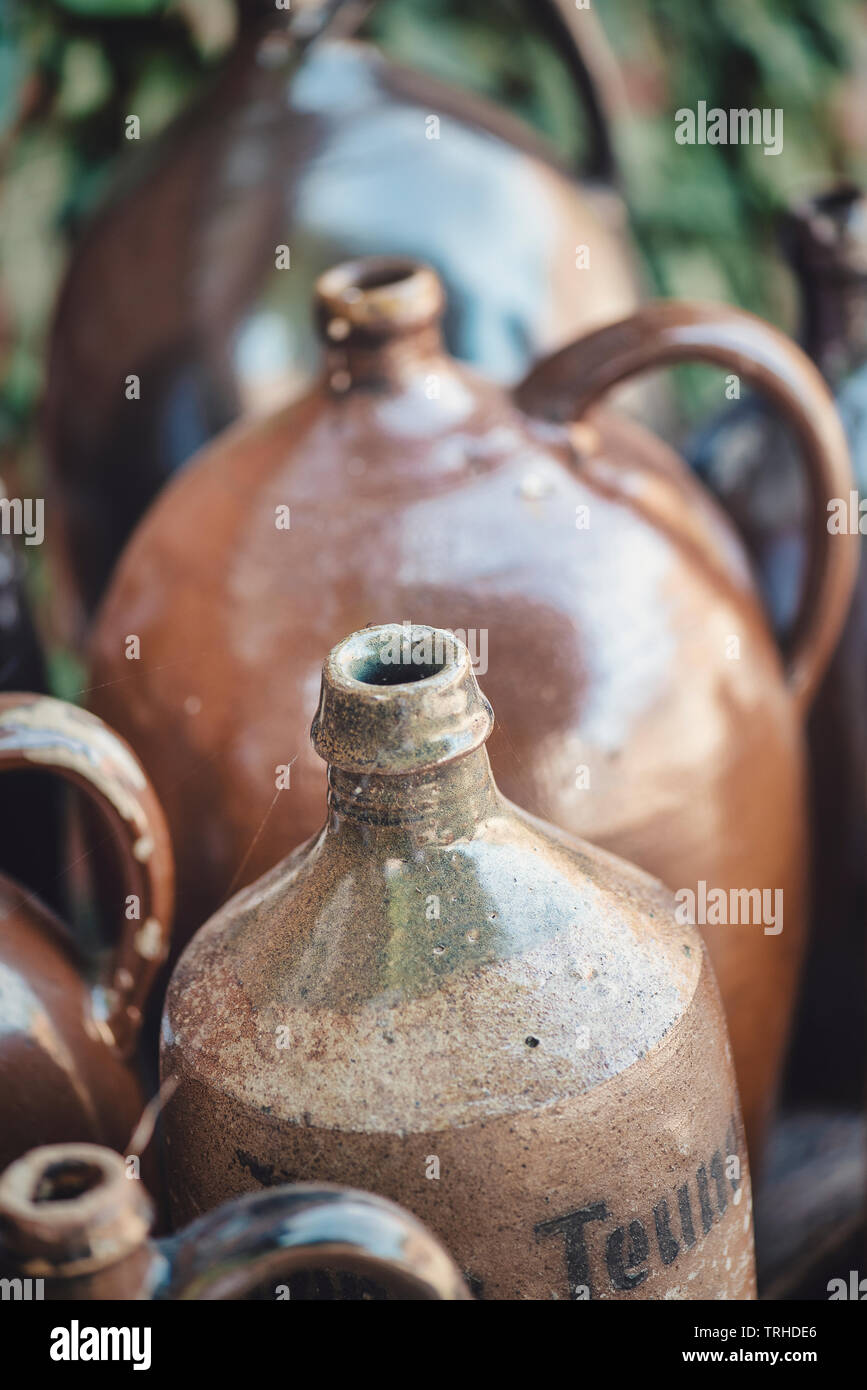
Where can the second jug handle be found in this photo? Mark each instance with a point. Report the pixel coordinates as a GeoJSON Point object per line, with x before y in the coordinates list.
{"type": "Point", "coordinates": [668, 332]}
{"type": "Point", "coordinates": [39, 733]}
{"type": "Point", "coordinates": [287, 1230]}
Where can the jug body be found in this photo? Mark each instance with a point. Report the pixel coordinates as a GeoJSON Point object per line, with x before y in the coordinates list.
{"type": "Point", "coordinates": [657, 721]}
{"type": "Point", "coordinates": [298, 157]}
{"type": "Point", "coordinates": [505, 1030]}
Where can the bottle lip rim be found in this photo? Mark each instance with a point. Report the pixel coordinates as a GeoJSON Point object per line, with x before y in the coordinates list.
{"type": "Point", "coordinates": [370, 722]}
{"type": "Point", "coordinates": [56, 1235]}
{"type": "Point", "coordinates": [377, 295]}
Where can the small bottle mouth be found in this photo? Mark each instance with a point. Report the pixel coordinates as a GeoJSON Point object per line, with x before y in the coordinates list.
{"type": "Point", "coordinates": [71, 1208]}
{"type": "Point", "coordinates": [377, 296]}
{"type": "Point", "coordinates": [397, 698]}
{"type": "Point", "coordinates": [829, 230]}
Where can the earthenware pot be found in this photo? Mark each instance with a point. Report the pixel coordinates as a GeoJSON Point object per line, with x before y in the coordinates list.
{"type": "Point", "coordinates": [640, 699]}
{"type": "Point", "coordinates": [747, 458]}
{"type": "Point", "coordinates": [65, 1045]}
{"type": "Point", "coordinates": [307, 149]}
{"type": "Point", "coordinates": [451, 1002]}
{"type": "Point", "coordinates": [70, 1216]}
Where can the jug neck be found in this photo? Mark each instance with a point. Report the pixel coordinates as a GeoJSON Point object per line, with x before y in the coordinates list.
{"type": "Point", "coordinates": [439, 805]}
{"type": "Point", "coordinates": [72, 1216]}
{"type": "Point", "coordinates": [827, 245]}
{"type": "Point", "coordinates": [380, 322]}
{"type": "Point", "coordinates": [402, 725]}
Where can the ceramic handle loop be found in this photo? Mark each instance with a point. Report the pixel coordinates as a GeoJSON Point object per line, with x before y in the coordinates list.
{"type": "Point", "coordinates": [577, 36]}
{"type": "Point", "coordinates": [271, 1235]}
{"type": "Point", "coordinates": [39, 733]}
{"type": "Point", "coordinates": [665, 333]}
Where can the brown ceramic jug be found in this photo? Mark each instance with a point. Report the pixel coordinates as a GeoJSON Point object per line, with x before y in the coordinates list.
{"type": "Point", "coordinates": [640, 700]}
{"type": "Point", "coordinates": [444, 999]}
{"type": "Point", "coordinates": [308, 149]}
{"type": "Point", "coordinates": [65, 1046]}
{"type": "Point", "coordinates": [70, 1216]}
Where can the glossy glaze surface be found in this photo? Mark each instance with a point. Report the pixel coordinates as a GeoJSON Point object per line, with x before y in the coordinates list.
{"type": "Point", "coordinates": [439, 979]}
{"type": "Point", "coordinates": [70, 1216]}
{"type": "Point", "coordinates": [328, 155]}
{"type": "Point", "coordinates": [640, 700]}
{"type": "Point", "coordinates": [65, 1044]}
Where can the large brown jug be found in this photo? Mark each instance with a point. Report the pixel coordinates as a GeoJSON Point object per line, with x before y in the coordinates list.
{"type": "Point", "coordinates": [309, 148]}
{"type": "Point", "coordinates": [640, 700]}
{"type": "Point", "coordinates": [65, 1042]}
{"type": "Point", "coordinates": [70, 1217]}
{"type": "Point", "coordinates": [446, 1000]}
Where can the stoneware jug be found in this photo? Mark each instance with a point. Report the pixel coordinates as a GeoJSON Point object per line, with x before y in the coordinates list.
{"type": "Point", "coordinates": [640, 699]}
{"type": "Point", "coordinates": [70, 1217]}
{"type": "Point", "coordinates": [448, 1001]}
{"type": "Point", "coordinates": [746, 457]}
{"type": "Point", "coordinates": [308, 148]}
{"type": "Point", "coordinates": [65, 1045]}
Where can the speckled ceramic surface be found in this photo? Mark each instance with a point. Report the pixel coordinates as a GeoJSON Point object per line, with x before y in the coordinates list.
{"type": "Point", "coordinates": [445, 1000]}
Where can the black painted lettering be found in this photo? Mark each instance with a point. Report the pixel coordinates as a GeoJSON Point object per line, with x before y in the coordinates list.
{"type": "Point", "coordinates": [668, 1246]}
{"type": "Point", "coordinates": [704, 1199]}
{"type": "Point", "coordinates": [718, 1173]}
{"type": "Point", "coordinates": [571, 1228]}
{"type": "Point", "coordinates": [636, 1254]}
{"type": "Point", "coordinates": [685, 1208]}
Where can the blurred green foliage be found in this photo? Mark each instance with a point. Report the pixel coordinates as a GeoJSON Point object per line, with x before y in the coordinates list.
{"type": "Point", "coordinates": [70, 70]}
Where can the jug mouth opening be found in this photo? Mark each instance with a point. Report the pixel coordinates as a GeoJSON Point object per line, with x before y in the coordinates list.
{"type": "Point", "coordinates": [67, 1180]}
{"type": "Point", "coordinates": [71, 1208]}
{"type": "Point", "coordinates": [829, 230]}
{"type": "Point", "coordinates": [397, 698]}
{"type": "Point", "coordinates": [377, 296]}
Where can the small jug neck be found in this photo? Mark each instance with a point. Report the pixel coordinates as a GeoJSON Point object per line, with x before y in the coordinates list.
{"type": "Point", "coordinates": [380, 321]}
{"type": "Point", "coordinates": [438, 805]}
{"type": "Point", "coordinates": [402, 725]}
{"type": "Point", "coordinates": [71, 1216]}
{"type": "Point", "coordinates": [826, 240]}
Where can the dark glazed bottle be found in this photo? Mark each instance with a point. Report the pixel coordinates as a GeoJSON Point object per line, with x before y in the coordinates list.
{"type": "Point", "coordinates": [308, 149]}
{"type": "Point", "coordinates": [65, 1045]}
{"type": "Point", "coordinates": [71, 1216]}
{"type": "Point", "coordinates": [640, 699]}
{"type": "Point", "coordinates": [448, 1001]}
{"type": "Point", "coordinates": [748, 460]}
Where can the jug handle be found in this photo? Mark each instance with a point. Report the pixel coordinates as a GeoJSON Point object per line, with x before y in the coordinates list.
{"type": "Point", "coordinates": [579, 37]}
{"type": "Point", "coordinates": [667, 332]}
{"type": "Point", "coordinates": [40, 733]}
{"type": "Point", "coordinates": [279, 1232]}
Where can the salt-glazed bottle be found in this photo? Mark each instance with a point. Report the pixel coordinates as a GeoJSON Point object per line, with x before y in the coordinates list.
{"type": "Point", "coordinates": [73, 1218]}
{"type": "Point", "coordinates": [448, 1001]}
